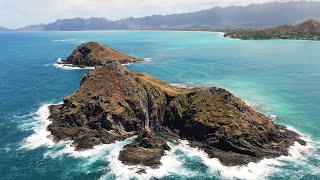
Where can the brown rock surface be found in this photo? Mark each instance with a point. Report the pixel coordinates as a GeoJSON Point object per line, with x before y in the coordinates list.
{"type": "Point", "coordinates": [95, 54]}
{"type": "Point", "coordinates": [114, 103]}
{"type": "Point", "coordinates": [146, 150]}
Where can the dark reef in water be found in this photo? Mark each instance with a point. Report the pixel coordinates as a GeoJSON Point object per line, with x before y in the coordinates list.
{"type": "Point", "coordinates": [114, 104]}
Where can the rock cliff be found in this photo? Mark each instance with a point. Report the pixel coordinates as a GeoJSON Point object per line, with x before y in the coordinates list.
{"type": "Point", "coordinates": [114, 103]}
{"type": "Point", "coordinates": [95, 54]}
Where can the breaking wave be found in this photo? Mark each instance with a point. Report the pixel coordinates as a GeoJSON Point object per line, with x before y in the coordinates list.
{"type": "Point", "coordinates": [173, 163]}
{"type": "Point", "coordinates": [64, 40]}
{"type": "Point", "coordinates": [260, 170]}
{"type": "Point", "coordinates": [147, 59]}
{"type": "Point", "coordinates": [144, 60]}
{"type": "Point", "coordinates": [170, 164]}
{"type": "Point", "coordinates": [68, 67]}
{"type": "Point", "coordinates": [181, 86]}
{"type": "Point", "coordinates": [41, 136]}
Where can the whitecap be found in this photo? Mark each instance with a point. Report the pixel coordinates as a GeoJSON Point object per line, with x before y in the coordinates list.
{"type": "Point", "coordinates": [64, 40]}
{"type": "Point", "coordinates": [272, 116]}
{"type": "Point", "coordinates": [258, 106]}
{"type": "Point", "coordinates": [127, 64]}
{"type": "Point", "coordinates": [181, 86]}
{"type": "Point", "coordinates": [170, 164]}
{"type": "Point", "coordinates": [66, 147]}
{"type": "Point", "coordinates": [38, 124]}
{"type": "Point", "coordinates": [59, 65]}
{"type": "Point", "coordinates": [6, 149]}
{"type": "Point", "coordinates": [59, 60]}
{"type": "Point", "coordinates": [144, 60]}
{"type": "Point", "coordinates": [147, 59]}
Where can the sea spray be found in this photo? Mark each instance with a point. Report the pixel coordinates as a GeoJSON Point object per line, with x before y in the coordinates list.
{"type": "Point", "coordinates": [170, 165]}
{"type": "Point", "coordinates": [59, 65]}
{"type": "Point", "coordinates": [41, 136]}
{"type": "Point", "coordinates": [181, 86]}
{"type": "Point", "coordinates": [144, 60]}
{"type": "Point", "coordinates": [147, 59]}
{"type": "Point", "coordinates": [259, 170]}
{"type": "Point", "coordinates": [64, 40]}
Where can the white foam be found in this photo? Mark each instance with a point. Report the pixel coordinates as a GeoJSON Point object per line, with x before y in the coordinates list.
{"type": "Point", "coordinates": [147, 59]}
{"type": "Point", "coordinates": [170, 164]}
{"type": "Point", "coordinates": [181, 86]}
{"type": "Point", "coordinates": [260, 170]}
{"type": "Point", "coordinates": [144, 60]}
{"type": "Point", "coordinates": [59, 60]}
{"type": "Point", "coordinates": [98, 150]}
{"type": "Point", "coordinates": [257, 106]}
{"type": "Point", "coordinates": [273, 116]}
{"type": "Point", "coordinates": [127, 64]}
{"type": "Point", "coordinates": [59, 65]}
{"type": "Point", "coordinates": [41, 136]}
{"type": "Point", "coordinates": [64, 40]}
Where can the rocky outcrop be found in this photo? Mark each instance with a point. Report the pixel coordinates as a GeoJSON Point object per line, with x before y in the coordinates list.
{"type": "Point", "coordinates": [95, 54]}
{"type": "Point", "coordinates": [114, 103]}
{"type": "Point", "coordinates": [147, 150]}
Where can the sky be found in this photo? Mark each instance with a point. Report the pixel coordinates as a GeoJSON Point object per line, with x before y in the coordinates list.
{"type": "Point", "coordinates": [20, 13]}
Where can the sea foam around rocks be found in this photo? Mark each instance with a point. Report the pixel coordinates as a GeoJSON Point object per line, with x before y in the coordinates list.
{"type": "Point", "coordinates": [172, 163]}
{"type": "Point", "coordinates": [144, 60]}
{"type": "Point", "coordinates": [260, 170]}
{"type": "Point", "coordinates": [69, 67]}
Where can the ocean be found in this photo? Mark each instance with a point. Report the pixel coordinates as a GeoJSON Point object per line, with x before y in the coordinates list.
{"type": "Point", "coordinates": [280, 78]}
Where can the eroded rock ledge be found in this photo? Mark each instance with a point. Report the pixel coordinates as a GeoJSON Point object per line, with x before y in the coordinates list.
{"type": "Point", "coordinates": [114, 103]}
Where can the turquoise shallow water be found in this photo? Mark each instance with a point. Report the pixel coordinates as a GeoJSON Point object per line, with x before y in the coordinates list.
{"type": "Point", "coordinates": [279, 78]}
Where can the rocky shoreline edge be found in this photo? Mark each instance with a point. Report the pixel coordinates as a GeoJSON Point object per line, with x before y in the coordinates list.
{"type": "Point", "coordinates": [114, 104]}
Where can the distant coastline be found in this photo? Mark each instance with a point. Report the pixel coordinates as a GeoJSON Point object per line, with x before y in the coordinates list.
{"type": "Point", "coordinates": [309, 30]}
{"type": "Point", "coordinates": [213, 19]}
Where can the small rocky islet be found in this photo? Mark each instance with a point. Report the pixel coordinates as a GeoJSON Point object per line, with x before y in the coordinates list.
{"type": "Point", "coordinates": [114, 103]}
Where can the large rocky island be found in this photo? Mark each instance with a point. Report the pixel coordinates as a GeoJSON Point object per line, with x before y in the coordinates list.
{"type": "Point", "coordinates": [114, 104]}
{"type": "Point", "coordinates": [309, 30]}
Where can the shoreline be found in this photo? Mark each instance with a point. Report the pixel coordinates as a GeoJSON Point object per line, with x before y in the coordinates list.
{"type": "Point", "coordinates": [160, 30]}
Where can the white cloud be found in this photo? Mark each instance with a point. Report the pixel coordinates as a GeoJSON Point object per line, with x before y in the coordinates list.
{"type": "Point", "coordinates": [17, 13]}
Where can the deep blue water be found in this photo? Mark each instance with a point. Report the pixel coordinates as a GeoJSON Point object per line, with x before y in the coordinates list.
{"type": "Point", "coordinates": [280, 78]}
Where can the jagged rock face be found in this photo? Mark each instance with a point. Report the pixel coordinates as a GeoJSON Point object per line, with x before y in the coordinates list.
{"type": "Point", "coordinates": [114, 103]}
{"type": "Point", "coordinates": [110, 99]}
{"type": "Point", "coordinates": [96, 54]}
{"type": "Point", "coordinates": [147, 150]}
{"type": "Point", "coordinates": [226, 128]}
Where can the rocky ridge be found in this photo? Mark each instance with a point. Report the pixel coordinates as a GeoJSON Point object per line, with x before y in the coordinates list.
{"type": "Point", "coordinates": [308, 30]}
{"type": "Point", "coordinates": [114, 104]}
{"type": "Point", "coordinates": [95, 54]}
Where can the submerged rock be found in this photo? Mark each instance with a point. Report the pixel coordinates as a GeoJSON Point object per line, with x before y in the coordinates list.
{"type": "Point", "coordinates": [114, 103]}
